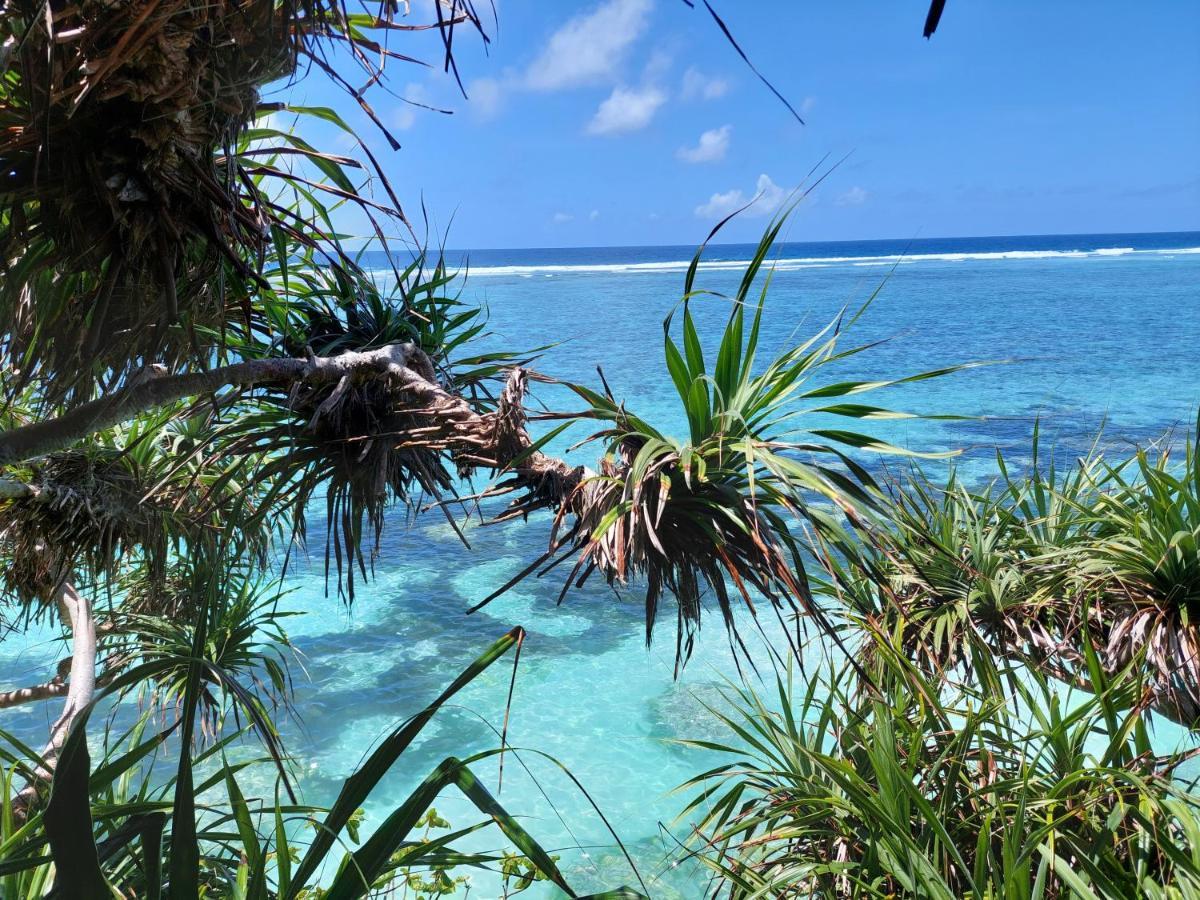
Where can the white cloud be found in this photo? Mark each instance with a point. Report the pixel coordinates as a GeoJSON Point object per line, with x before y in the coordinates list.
{"type": "Point", "coordinates": [626, 109]}
{"type": "Point", "coordinates": [807, 105]}
{"type": "Point", "coordinates": [856, 196]}
{"type": "Point", "coordinates": [404, 115]}
{"type": "Point", "coordinates": [589, 47]}
{"type": "Point", "coordinates": [657, 66]}
{"type": "Point", "coordinates": [486, 97]}
{"type": "Point", "coordinates": [712, 146]}
{"type": "Point", "coordinates": [425, 11]}
{"type": "Point", "coordinates": [768, 198]}
{"type": "Point", "coordinates": [721, 205]}
{"type": "Point", "coordinates": [561, 218]}
{"type": "Point", "coordinates": [594, 215]}
{"type": "Point", "coordinates": [698, 86]}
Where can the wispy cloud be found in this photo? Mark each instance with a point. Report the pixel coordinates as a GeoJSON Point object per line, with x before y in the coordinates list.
{"type": "Point", "coordinates": [712, 146]}
{"type": "Point", "coordinates": [698, 86]}
{"type": "Point", "coordinates": [768, 197]}
{"type": "Point", "coordinates": [589, 47]}
{"type": "Point", "coordinates": [486, 97]}
{"type": "Point", "coordinates": [404, 115]}
{"type": "Point", "coordinates": [721, 204]}
{"type": "Point", "coordinates": [626, 109]}
{"type": "Point", "coordinates": [856, 196]}
{"type": "Point", "coordinates": [561, 218]}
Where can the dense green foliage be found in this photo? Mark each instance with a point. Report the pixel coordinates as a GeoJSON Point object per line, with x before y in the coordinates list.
{"type": "Point", "coordinates": [1044, 565]}
{"type": "Point", "coordinates": [194, 363]}
{"type": "Point", "coordinates": [898, 783]}
{"type": "Point", "coordinates": [997, 738]}
{"type": "Point", "coordinates": [231, 846]}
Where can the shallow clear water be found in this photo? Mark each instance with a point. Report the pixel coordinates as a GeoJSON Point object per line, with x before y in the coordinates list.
{"type": "Point", "coordinates": [1088, 336]}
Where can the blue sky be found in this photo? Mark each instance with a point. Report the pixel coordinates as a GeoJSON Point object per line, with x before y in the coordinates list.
{"type": "Point", "coordinates": [612, 122]}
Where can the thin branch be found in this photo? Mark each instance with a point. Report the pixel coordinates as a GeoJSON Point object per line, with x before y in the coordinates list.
{"type": "Point", "coordinates": [56, 687]}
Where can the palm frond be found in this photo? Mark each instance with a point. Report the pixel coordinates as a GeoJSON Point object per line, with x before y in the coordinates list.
{"type": "Point", "coordinates": [138, 200]}
{"type": "Point", "coordinates": [723, 512]}
{"type": "Point", "coordinates": [913, 787]}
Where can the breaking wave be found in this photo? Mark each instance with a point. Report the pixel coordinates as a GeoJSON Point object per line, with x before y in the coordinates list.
{"type": "Point", "coordinates": [815, 262]}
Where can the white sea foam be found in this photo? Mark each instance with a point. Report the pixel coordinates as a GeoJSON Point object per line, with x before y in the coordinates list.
{"type": "Point", "coordinates": [813, 262]}
{"type": "Point", "coordinates": [647, 267]}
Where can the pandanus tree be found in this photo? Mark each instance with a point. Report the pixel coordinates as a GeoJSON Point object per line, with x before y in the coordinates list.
{"type": "Point", "coordinates": [193, 361]}
{"type": "Point", "coordinates": [1061, 568]}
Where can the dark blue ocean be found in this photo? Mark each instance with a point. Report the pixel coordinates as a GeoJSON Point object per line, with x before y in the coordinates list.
{"type": "Point", "coordinates": [1088, 332]}
{"type": "Point", "coordinates": [825, 251]}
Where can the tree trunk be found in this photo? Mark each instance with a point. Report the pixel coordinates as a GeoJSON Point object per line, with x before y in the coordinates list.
{"type": "Point", "coordinates": [76, 611]}
{"type": "Point", "coordinates": [15, 490]}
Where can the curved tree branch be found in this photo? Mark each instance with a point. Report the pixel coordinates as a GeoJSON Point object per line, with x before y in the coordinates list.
{"type": "Point", "coordinates": [491, 440]}
{"type": "Point", "coordinates": [39, 438]}
{"type": "Point", "coordinates": [58, 686]}
{"type": "Point", "coordinates": [497, 440]}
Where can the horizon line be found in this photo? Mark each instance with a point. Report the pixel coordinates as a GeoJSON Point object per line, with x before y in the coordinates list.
{"type": "Point", "coordinates": [893, 240]}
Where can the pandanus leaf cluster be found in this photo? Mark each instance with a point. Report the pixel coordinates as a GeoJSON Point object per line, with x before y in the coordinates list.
{"type": "Point", "coordinates": [723, 511]}
{"type": "Point", "coordinates": [892, 782]}
{"type": "Point", "coordinates": [1036, 564]}
{"type": "Point", "coordinates": [109, 824]}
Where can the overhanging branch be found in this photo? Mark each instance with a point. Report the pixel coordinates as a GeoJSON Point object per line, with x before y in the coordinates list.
{"type": "Point", "coordinates": [39, 438]}
{"type": "Point", "coordinates": [496, 440]}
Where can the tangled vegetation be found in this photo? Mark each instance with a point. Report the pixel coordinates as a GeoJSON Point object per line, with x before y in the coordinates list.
{"type": "Point", "coordinates": [1015, 644]}
{"type": "Point", "coordinates": [1046, 567]}
{"type": "Point", "coordinates": [193, 364]}
{"type": "Point", "coordinates": [900, 783]}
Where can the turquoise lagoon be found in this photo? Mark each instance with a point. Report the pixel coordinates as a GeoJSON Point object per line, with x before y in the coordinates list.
{"type": "Point", "coordinates": [1093, 330]}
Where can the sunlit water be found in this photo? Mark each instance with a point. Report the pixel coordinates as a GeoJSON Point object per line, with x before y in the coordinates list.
{"type": "Point", "coordinates": [1093, 330]}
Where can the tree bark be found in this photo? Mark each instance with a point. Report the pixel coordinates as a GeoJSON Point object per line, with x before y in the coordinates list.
{"type": "Point", "coordinates": [81, 683]}
{"type": "Point", "coordinates": [17, 445]}
{"type": "Point", "coordinates": [56, 687]}
{"type": "Point", "coordinates": [76, 611]}
{"type": "Point", "coordinates": [15, 490]}
{"type": "Point", "coordinates": [495, 440]}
